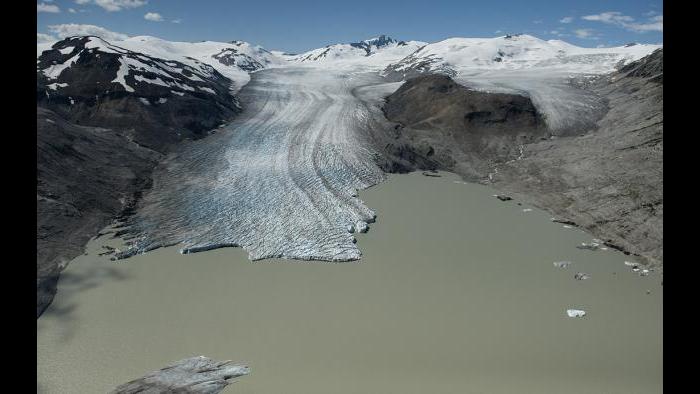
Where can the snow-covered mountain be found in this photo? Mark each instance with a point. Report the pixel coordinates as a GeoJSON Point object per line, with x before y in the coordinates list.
{"type": "Point", "coordinates": [92, 82]}
{"type": "Point", "coordinates": [375, 53]}
{"type": "Point", "coordinates": [234, 60]}
{"type": "Point", "coordinates": [455, 56]}
{"type": "Point", "coordinates": [396, 59]}
{"type": "Point", "coordinates": [77, 64]}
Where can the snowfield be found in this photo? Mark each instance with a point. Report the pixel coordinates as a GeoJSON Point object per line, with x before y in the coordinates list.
{"type": "Point", "coordinates": [460, 55]}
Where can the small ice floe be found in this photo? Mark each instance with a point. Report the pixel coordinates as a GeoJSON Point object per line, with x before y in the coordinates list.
{"type": "Point", "coordinates": [567, 226]}
{"type": "Point", "coordinates": [589, 246]}
{"type": "Point", "coordinates": [644, 272]}
{"type": "Point", "coordinates": [575, 313]}
{"type": "Point", "coordinates": [581, 276]}
{"type": "Point", "coordinates": [527, 209]}
{"type": "Point", "coordinates": [361, 227]}
{"type": "Point", "coordinates": [562, 264]}
{"type": "Point", "coordinates": [635, 268]}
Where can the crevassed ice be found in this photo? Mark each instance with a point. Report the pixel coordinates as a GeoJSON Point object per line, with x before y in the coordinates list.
{"type": "Point", "coordinates": [280, 181]}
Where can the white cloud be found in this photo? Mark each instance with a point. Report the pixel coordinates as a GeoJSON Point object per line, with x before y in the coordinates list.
{"type": "Point", "coordinates": [609, 17]}
{"type": "Point", "coordinates": [585, 33]}
{"type": "Point", "coordinates": [153, 17]}
{"type": "Point", "coordinates": [43, 7]}
{"type": "Point", "coordinates": [114, 5]}
{"type": "Point", "coordinates": [42, 38]}
{"type": "Point", "coordinates": [72, 10]}
{"type": "Point", "coordinates": [537, 22]}
{"type": "Point", "coordinates": [655, 23]}
{"type": "Point", "coordinates": [73, 29]}
{"type": "Point", "coordinates": [566, 19]}
{"type": "Point", "coordinates": [176, 20]}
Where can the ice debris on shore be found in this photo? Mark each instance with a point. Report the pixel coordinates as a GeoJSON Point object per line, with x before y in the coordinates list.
{"type": "Point", "coordinates": [562, 264]}
{"type": "Point", "coordinates": [589, 246]}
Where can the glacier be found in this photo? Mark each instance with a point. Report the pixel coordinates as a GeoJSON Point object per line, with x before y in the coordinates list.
{"type": "Point", "coordinates": [280, 181]}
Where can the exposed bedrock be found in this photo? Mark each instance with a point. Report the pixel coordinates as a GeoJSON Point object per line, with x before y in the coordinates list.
{"type": "Point", "coordinates": [607, 179]}
{"type": "Point", "coordinates": [196, 375]}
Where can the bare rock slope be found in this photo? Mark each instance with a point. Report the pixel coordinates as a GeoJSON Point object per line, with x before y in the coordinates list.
{"type": "Point", "coordinates": [85, 176]}
{"type": "Point", "coordinates": [608, 180]}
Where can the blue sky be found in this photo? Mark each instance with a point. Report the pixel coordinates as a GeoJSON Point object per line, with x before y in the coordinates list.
{"type": "Point", "coordinates": [296, 26]}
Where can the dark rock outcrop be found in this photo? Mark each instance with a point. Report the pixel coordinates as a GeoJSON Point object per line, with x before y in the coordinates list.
{"type": "Point", "coordinates": [651, 67]}
{"type": "Point", "coordinates": [447, 126]}
{"type": "Point", "coordinates": [196, 375]}
{"type": "Point", "coordinates": [378, 42]}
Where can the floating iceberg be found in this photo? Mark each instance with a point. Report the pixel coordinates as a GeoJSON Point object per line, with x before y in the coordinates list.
{"type": "Point", "coordinates": [562, 264]}
{"type": "Point", "coordinates": [575, 313]}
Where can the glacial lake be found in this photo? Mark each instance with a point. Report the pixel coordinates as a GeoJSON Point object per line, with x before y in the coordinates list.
{"type": "Point", "coordinates": [456, 293]}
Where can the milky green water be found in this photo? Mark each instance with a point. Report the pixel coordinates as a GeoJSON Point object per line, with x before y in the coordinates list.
{"type": "Point", "coordinates": [456, 293]}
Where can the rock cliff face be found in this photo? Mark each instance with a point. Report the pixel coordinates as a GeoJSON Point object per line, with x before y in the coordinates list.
{"type": "Point", "coordinates": [608, 180]}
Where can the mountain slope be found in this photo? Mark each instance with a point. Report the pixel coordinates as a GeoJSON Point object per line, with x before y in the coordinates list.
{"type": "Point", "coordinates": [85, 176]}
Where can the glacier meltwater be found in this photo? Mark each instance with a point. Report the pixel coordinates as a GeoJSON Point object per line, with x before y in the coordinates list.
{"type": "Point", "coordinates": [280, 181]}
